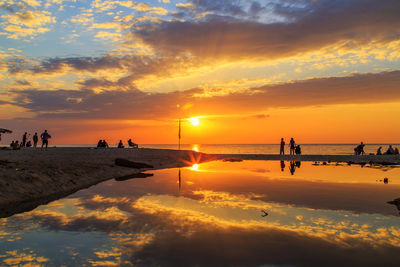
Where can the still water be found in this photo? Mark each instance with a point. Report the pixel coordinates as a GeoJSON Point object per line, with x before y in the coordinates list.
{"type": "Point", "coordinates": [218, 213]}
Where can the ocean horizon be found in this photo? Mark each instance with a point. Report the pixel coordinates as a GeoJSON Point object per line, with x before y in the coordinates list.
{"type": "Point", "coordinates": [309, 149]}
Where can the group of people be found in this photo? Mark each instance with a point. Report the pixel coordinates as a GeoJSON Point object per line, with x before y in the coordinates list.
{"type": "Point", "coordinates": [104, 144]}
{"type": "Point", "coordinates": [45, 136]}
{"type": "Point", "coordinates": [130, 144]}
{"type": "Point", "coordinates": [294, 149]}
{"type": "Point", "coordinates": [389, 151]}
{"type": "Point", "coordinates": [359, 150]}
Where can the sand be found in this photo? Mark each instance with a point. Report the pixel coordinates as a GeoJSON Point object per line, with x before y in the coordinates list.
{"type": "Point", "coordinates": [31, 177]}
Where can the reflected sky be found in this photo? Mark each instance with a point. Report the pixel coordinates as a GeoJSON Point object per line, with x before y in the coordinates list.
{"type": "Point", "coordinates": [215, 214]}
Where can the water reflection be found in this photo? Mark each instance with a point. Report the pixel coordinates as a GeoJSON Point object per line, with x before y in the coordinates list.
{"type": "Point", "coordinates": [232, 213]}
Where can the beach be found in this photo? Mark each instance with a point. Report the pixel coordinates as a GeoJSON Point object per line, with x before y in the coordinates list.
{"type": "Point", "coordinates": [31, 177]}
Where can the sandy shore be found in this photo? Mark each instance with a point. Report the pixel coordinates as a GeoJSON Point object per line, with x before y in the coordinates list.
{"type": "Point", "coordinates": [30, 177]}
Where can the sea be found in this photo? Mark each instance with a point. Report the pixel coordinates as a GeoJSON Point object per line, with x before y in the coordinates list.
{"type": "Point", "coordinates": [308, 149]}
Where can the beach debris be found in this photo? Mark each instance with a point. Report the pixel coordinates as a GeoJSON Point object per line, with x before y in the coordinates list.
{"type": "Point", "coordinates": [130, 164]}
{"type": "Point", "coordinates": [395, 202]}
{"type": "Point", "coordinates": [232, 160]}
{"type": "Point", "coordinates": [133, 176]}
{"type": "Point", "coordinates": [265, 213]}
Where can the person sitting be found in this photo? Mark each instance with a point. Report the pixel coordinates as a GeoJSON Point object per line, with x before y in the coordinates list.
{"type": "Point", "coordinates": [104, 144]}
{"type": "Point", "coordinates": [379, 151]}
{"type": "Point", "coordinates": [390, 151]}
{"type": "Point", "coordinates": [28, 144]}
{"type": "Point", "coordinates": [132, 144]}
{"type": "Point", "coordinates": [12, 144]}
{"type": "Point", "coordinates": [99, 143]}
{"type": "Point", "coordinates": [396, 151]}
{"type": "Point", "coordinates": [359, 150]}
{"type": "Point", "coordinates": [120, 145]}
{"type": "Point", "coordinates": [297, 150]}
{"type": "Point", "coordinates": [16, 145]}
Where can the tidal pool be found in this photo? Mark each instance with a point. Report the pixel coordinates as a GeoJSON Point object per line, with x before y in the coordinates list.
{"type": "Point", "coordinates": [218, 213]}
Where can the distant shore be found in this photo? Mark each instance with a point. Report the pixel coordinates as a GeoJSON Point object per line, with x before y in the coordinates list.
{"type": "Point", "coordinates": [30, 177]}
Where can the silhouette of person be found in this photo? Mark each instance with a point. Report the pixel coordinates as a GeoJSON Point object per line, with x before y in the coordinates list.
{"type": "Point", "coordinates": [292, 167]}
{"type": "Point", "coordinates": [282, 165]}
{"type": "Point", "coordinates": [120, 145]}
{"type": "Point", "coordinates": [390, 150]}
{"type": "Point", "coordinates": [282, 150]}
{"type": "Point", "coordinates": [359, 150]}
{"type": "Point", "coordinates": [379, 151]}
{"type": "Point", "coordinates": [292, 146]}
{"type": "Point", "coordinates": [45, 136]}
{"type": "Point", "coordinates": [35, 139]}
{"type": "Point", "coordinates": [24, 139]}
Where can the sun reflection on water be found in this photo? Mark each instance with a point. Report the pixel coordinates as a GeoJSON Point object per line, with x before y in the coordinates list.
{"type": "Point", "coordinates": [196, 148]}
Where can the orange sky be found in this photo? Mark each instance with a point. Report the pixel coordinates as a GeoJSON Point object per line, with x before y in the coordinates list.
{"type": "Point", "coordinates": [320, 71]}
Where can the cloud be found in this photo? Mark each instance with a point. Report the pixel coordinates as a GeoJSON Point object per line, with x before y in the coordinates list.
{"type": "Point", "coordinates": [29, 18]}
{"type": "Point", "coordinates": [350, 23]}
{"type": "Point", "coordinates": [359, 89]}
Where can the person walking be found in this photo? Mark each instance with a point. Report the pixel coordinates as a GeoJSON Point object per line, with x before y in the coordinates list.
{"type": "Point", "coordinates": [45, 136]}
{"type": "Point", "coordinates": [282, 150]}
{"type": "Point", "coordinates": [35, 139]}
{"type": "Point", "coordinates": [292, 146]}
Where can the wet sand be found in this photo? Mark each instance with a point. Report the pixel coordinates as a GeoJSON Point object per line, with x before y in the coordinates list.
{"type": "Point", "coordinates": [30, 177]}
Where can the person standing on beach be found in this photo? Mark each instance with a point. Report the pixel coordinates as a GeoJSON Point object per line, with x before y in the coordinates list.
{"type": "Point", "coordinates": [282, 150]}
{"type": "Point", "coordinates": [35, 140]}
{"type": "Point", "coordinates": [45, 136]}
{"type": "Point", "coordinates": [24, 139]}
{"type": "Point", "coordinates": [292, 146]}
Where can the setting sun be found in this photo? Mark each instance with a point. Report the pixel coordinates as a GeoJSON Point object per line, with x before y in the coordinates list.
{"type": "Point", "coordinates": [194, 121]}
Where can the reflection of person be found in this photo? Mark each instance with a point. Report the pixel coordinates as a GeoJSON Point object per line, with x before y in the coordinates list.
{"type": "Point", "coordinates": [45, 136]}
{"type": "Point", "coordinates": [282, 150]}
{"type": "Point", "coordinates": [282, 165]}
{"type": "Point", "coordinates": [292, 167]}
{"type": "Point", "coordinates": [298, 164]}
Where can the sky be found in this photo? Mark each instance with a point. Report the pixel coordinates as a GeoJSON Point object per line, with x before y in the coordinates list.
{"type": "Point", "coordinates": [321, 71]}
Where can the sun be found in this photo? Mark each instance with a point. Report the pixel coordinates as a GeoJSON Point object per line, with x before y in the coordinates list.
{"type": "Point", "coordinates": [194, 121]}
